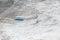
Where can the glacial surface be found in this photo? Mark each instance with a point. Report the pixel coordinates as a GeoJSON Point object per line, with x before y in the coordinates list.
{"type": "Point", "coordinates": [41, 20]}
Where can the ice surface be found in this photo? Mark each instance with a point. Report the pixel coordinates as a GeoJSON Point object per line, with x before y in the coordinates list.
{"type": "Point", "coordinates": [5, 4]}
{"type": "Point", "coordinates": [41, 20]}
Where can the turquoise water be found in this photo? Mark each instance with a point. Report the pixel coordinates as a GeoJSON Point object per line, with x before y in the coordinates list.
{"type": "Point", "coordinates": [19, 19]}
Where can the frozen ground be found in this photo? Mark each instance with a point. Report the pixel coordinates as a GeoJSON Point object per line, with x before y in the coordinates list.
{"type": "Point", "coordinates": [41, 20]}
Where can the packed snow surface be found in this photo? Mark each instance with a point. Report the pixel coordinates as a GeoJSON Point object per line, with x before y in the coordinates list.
{"type": "Point", "coordinates": [41, 20]}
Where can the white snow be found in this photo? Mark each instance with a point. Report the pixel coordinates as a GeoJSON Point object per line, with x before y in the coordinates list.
{"type": "Point", "coordinates": [44, 27]}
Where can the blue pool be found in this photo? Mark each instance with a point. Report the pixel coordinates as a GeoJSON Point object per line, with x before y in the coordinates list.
{"type": "Point", "coordinates": [19, 19]}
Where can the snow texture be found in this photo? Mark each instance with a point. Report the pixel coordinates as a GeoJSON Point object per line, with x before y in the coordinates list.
{"type": "Point", "coordinates": [41, 20]}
